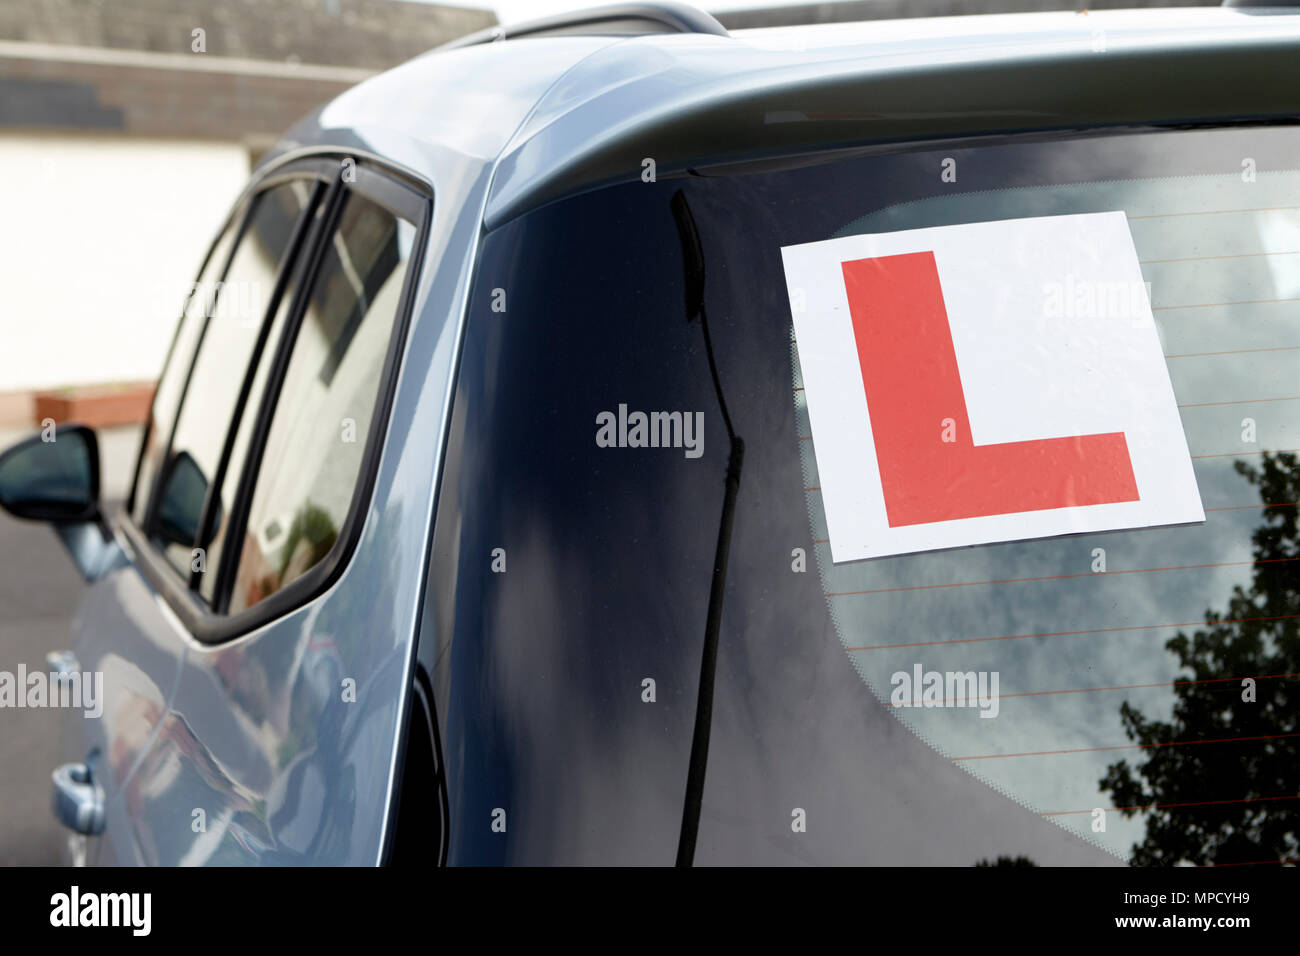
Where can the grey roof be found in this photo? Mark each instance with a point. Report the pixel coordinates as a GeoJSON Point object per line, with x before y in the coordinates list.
{"type": "Point", "coordinates": [555, 114]}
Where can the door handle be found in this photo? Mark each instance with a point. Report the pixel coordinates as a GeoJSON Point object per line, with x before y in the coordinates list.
{"type": "Point", "coordinates": [78, 800]}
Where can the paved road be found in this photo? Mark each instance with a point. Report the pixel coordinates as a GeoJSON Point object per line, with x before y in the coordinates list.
{"type": "Point", "coordinates": [39, 591]}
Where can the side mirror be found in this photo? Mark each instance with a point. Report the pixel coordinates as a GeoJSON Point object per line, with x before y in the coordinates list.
{"type": "Point", "coordinates": [54, 479]}
{"type": "Point", "coordinates": [180, 508]}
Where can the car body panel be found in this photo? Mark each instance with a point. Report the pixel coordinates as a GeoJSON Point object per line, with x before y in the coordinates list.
{"type": "Point", "coordinates": [462, 101]}
{"type": "Point", "coordinates": [128, 634]}
{"type": "Point", "coordinates": [688, 101]}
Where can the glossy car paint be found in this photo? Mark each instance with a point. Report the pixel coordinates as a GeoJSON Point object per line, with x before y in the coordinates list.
{"type": "Point", "coordinates": [268, 752]}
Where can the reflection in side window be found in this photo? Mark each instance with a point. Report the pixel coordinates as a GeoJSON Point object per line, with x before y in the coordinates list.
{"type": "Point", "coordinates": [324, 411]}
{"type": "Point", "coordinates": [228, 344]}
{"type": "Point", "coordinates": [243, 435]}
{"type": "Point", "coordinates": [162, 414]}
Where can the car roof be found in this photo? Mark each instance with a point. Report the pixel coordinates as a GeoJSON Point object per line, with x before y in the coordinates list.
{"type": "Point", "coordinates": [553, 114]}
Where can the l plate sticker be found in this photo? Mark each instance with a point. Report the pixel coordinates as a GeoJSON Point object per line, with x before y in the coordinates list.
{"type": "Point", "coordinates": [986, 382]}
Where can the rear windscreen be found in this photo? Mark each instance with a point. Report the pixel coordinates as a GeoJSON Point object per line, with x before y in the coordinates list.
{"type": "Point", "coordinates": [1111, 679]}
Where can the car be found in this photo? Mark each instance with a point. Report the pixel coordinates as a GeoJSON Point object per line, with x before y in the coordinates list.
{"type": "Point", "coordinates": [514, 491]}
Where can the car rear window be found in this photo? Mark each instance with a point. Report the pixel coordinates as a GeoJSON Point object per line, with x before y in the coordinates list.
{"type": "Point", "coordinates": [1145, 696]}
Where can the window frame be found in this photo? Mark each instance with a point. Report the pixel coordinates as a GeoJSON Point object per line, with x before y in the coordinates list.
{"type": "Point", "coordinates": [407, 198]}
{"type": "Point", "coordinates": [285, 270]}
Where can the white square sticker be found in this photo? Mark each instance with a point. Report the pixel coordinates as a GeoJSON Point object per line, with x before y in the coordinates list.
{"type": "Point", "coordinates": [994, 381]}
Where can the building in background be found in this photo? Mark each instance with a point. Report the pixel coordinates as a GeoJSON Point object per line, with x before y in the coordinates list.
{"type": "Point", "coordinates": [126, 131]}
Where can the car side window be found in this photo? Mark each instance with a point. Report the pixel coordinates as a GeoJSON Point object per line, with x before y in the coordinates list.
{"type": "Point", "coordinates": [323, 413]}
{"type": "Point", "coordinates": [233, 339]}
{"type": "Point", "coordinates": [167, 396]}
{"type": "Point", "coordinates": [219, 520]}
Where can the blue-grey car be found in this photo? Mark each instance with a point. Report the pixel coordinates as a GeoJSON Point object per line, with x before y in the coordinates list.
{"type": "Point", "coordinates": [490, 512]}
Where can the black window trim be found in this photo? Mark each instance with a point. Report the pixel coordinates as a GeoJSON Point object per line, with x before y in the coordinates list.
{"type": "Point", "coordinates": [407, 198]}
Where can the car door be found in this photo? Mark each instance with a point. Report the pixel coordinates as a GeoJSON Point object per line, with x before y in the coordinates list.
{"type": "Point", "coordinates": [287, 618]}
{"type": "Point", "coordinates": [127, 631]}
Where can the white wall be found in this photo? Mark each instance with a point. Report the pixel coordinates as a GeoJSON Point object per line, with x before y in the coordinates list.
{"type": "Point", "coordinates": [100, 237]}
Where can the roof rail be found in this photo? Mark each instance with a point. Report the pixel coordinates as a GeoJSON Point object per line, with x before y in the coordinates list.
{"type": "Point", "coordinates": [620, 19]}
